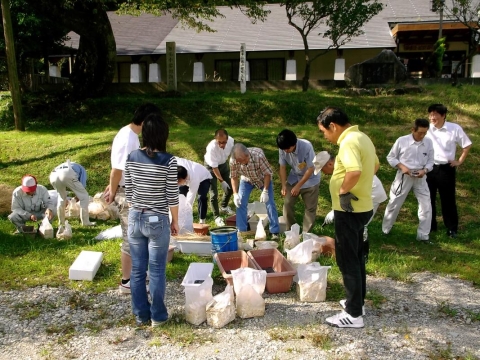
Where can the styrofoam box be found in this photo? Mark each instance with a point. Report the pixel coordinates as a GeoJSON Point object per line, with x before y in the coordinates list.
{"type": "Point", "coordinates": [85, 265]}
{"type": "Point", "coordinates": [195, 247]}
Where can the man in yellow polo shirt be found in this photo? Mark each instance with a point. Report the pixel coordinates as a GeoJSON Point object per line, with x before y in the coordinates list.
{"type": "Point", "coordinates": [351, 192]}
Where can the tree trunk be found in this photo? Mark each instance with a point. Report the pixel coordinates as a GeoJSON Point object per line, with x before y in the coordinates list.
{"type": "Point", "coordinates": [13, 81]}
{"type": "Point", "coordinates": [306, 75]}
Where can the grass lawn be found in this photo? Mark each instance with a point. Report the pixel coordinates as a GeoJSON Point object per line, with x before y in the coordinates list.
{"type": "Point", "coordinates": [84, 132]}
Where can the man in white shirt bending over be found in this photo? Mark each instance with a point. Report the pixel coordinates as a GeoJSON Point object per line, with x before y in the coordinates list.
{"type": "Point", "coordinates": [412, 155]}
{"type": "Point", "coordinates": [216, 161]}
{"type": "Point", "coordinates": [197, 178]}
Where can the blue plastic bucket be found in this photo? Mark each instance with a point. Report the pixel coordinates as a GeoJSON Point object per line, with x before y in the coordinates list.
{"type": "Point", "coordinates": [224, 239]}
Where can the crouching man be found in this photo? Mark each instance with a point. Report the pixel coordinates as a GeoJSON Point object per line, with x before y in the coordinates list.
{"type": "Point", "coordinates": [30, 202]}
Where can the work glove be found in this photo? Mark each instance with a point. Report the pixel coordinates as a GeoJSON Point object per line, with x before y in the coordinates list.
{"type": "Point", "coordinates": [264, 196]}
{"type": "Point", "coordinates": [225, 186]}
{"type": "Point", "coordinates": [329, 218]}
{"type": "Point", "coordinates": [346, 201]}
{"type": "Point", "coordinates": [236, 200]}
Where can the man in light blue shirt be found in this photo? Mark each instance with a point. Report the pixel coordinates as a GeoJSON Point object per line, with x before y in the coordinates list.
{"type": "Point", "coordinates": [299, 154]}
{"type": "Point", "coordinates": [73, 176]}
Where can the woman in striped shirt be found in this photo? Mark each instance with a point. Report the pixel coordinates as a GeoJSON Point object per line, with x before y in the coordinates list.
{"type": "Point", "coordinates": [151, 190]}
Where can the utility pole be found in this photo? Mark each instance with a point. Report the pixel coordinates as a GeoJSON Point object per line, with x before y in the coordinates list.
{"type": "Point", "coordinates": [13, 81]}
{"type": "Point", "coordinates": [441, 3]}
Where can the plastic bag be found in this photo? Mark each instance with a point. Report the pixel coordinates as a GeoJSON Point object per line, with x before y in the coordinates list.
{"type": "Point", "coordinates": [98, 208]}
{"type": "Point", "coordinates": [46, 229]}
{"type": "Point", "coordinates": [249, 302]}
{"type": "Point", "coordinates": [260, 233]}
{"type": "Point", "coordinates": [266, 244]}
{"type": "Point", "coordinates": [221, 309]}
{"type": "Point", "coordinates": [312, 282]}
{"type": "Point", "coordinates": [73, 209]}
{"type": "Point", "coordinates": [185, 216]}
{"type": "Point", "coordinates": [249, 276]}
{"type": "Point", "coordinates": [302, 253]}
{"type": "Point", "coordinates": [292, 237]}
{"type": "Point", "coordinates": [65, 233]}
{"type": "Point", "coordinates": [318, 243]}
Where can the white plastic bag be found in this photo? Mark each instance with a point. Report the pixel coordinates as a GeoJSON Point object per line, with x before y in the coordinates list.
{"type": "Point", "coordinates": [292, 237]}
{"type": "Point", "coordinates": [185, 215]}
{"type": "Point", "coordinates": [46, 229]}
{"type": "Point", "coordinates": [301, 254]}
{"type": "Point", "coordinates": [266, 244]}
{"type": "Point", "coordinates": [98, 208]}
{"type": "Point", "coordinates": [249, 303]}
{"type": "Point", "coordinates": [249, 276]}
{"type": "Point", "coordinates": [66, 233]}
{"type": "Point", "coordinates": [260, 233]}
{"type": "Point", "coordinates": [73, 209]}
{"type": "Point", "coordinates": [221, 309]}
{"type": "Point", "coordinates": [312, 282]}
{"type": "Point", "coordinates": [318, 243]}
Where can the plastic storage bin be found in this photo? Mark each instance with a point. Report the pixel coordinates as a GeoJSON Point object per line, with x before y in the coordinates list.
{"type": "Point", "coordinates": [280, 272]}
{"type": "Point", "coordinates": [232, 260]}
{"type": "Point", "coordinates": [197, 285]}
{"type": "Point", "coordinates": [197, 247]}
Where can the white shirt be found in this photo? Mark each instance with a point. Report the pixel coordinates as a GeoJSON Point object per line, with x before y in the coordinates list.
{"type": "Point", "coordinates": [215, 155]}
{"type": "Point", "coordinates": [196, 174]}
{"type": "Point", "coordinates": [378, 192]}
{"type": "Point", "coordinates": [415, 155]}
{"type": "Point", "coordinates": [123, 144]}
{"type": "Point", "coordinates": [445, 141]}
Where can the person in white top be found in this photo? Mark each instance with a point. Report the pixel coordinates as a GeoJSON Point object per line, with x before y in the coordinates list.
{"type": "Point", "coordinates": [216, 161]}
{"type": "Point", "coordinates": [325, 163]}
{"type": "Point", "coordinates": [445, 136]}
{"type": "Point", "coordinates": [197, 178]}
{"type": "Point", "coordinates": [412, 155]}
{"type": "Point", "coordinates": [123, 144]}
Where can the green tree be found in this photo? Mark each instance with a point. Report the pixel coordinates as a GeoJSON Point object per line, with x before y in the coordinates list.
{"type": "Point", "coordinates": [435, 61]}
{"type": "Point", "coordinates": [343, 20]}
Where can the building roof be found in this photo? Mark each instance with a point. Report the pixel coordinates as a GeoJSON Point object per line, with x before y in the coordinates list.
{"type": "Point", "coordinates": [148, 34]}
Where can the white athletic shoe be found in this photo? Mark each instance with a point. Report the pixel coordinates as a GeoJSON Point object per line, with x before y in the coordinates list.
{"type": "Point", "coordinates": [344, 320]}
{"type": "Point", "coordinates": [219, 221]}
{"type": "Point", "coordinates": [202, 221]}
{"type": "Point", "coordinates": [343, 304]}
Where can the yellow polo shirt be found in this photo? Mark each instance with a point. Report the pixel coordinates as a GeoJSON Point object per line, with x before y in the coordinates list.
{"type": "Point", "coordinates": [356, 153]}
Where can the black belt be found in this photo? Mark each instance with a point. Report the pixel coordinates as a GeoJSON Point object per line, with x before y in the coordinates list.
{"type": "Point", "coordinates": [123, 187]}
{"type": "Point", "coordinates": [440, 165]}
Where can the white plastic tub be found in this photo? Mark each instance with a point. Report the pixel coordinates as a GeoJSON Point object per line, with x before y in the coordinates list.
{"type": "Point", "coordinates": [203, 248]}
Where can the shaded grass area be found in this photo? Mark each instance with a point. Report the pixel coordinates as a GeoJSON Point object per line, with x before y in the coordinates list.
{"type": "Point", "coordinates": [84, 131]}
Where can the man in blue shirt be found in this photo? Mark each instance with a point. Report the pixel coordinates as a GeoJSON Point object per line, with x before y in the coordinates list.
{"type": "Point", "coordinates": [73, 176]}
{"type": "Point", "coordinates": [299, 154]}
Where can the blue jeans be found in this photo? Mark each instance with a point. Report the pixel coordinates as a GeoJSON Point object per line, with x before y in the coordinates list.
{"type": "Point", "coordinates": [244, 191]}
{"type": "Point", "coordinates": [149, 242]}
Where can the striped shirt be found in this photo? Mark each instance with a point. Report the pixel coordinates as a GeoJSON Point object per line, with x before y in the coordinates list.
{"type": "Point", "coordinates": [254, 172]}
{"type": "Point", "coordinates": [151, 182]}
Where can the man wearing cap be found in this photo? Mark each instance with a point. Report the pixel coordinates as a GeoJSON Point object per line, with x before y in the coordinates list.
{"type": "Point", "coordinates": [301, 181]}
{"type": "Point", "coordinates": [378, 194]}
{"type": "Point", "coordinates": [71, 175]}
{"type": "Point", "coordinates": [216, 156]}
{"type": "Point", "coordinates": [30, 202]}
{"type": "Point", "coordinates": [123, 144]}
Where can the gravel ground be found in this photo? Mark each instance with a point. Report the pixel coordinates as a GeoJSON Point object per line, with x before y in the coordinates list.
{"type": "Point", "coordinates": [430, 317]}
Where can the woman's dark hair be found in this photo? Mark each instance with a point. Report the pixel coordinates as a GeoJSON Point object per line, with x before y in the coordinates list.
{"type": "Point", "coordinates": [332, 114]}
{"type": "Point", "coordinates": [143, 111]}
{"type": "Point", "coordinates": [182, 173]}
{"type": "Point", "coordinates": [154, 134]}
{"type": "Point", "coordinates": [286, 139]}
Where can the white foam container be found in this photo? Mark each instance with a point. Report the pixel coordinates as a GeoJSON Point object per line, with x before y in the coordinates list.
{"type": "Point", "coordinates": [85, 265]}
{"type": "Point", "coordinates": [203, 248]}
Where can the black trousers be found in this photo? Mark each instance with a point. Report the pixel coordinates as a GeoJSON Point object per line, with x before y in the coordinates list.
{"type": "Point", "coordinates": [349, 253]}
{"type": "Point", "coordinates": [443, 178]}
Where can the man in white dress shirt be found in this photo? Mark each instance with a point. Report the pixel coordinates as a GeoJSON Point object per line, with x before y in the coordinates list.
{"type": "Point", "coordinates": [412, 155]}
{"type": "Point", "coordinates": [197, 178]}
{"type": "Point", "coordinates": [445, 136]}
{"type": "Point", "coordinates": [216, 161]}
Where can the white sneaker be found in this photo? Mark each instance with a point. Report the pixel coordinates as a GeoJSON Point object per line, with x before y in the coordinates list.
{"type": "Point", "coordinates": [343, 304]}
{"type": "Point", "coordinates": [219, 221]}
{"type": "Point", "coordinates": [202, 221]}
{"type": "Point", "coordinates": [344, 320]}
{"type": "Point", "coordinates": [124, 288]}
{"type": "Point", "coordinates": [227, 210]}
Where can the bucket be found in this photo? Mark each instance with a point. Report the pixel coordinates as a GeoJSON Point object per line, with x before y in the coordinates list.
{"type": "Point", "coordinates": [224, 239]}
